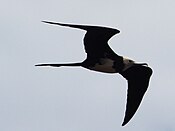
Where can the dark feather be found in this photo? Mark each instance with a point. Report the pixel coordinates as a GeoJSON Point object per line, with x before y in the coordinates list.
{"type": "Point", "coordinates": [138, 81]}
{"type": "Point", "coordinates": [95, 40]}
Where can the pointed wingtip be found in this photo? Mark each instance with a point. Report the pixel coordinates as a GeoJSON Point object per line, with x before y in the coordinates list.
{"type": "Point", "coordinates": [57, 23]}
{"type": "Point", "coordinates": [125, 122]}
{"type": "Point", "coordinates": [48, 22]}
{"type": "Point", "coordinates": [43, 21]}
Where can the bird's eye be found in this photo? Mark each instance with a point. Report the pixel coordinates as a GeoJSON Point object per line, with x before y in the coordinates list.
{"type": "Point", "coordinates": [130, 60]}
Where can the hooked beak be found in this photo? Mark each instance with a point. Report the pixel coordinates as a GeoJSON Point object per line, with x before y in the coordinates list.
{"type": "Point", "coordinates": [141, 64]}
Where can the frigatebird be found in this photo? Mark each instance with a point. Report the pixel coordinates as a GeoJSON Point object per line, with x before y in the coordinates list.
{"type": "Point", "coordinates": [100, 57]}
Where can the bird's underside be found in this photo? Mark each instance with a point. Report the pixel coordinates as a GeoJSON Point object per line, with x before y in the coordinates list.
{"type": "Point", "coordinates": [100, 57]}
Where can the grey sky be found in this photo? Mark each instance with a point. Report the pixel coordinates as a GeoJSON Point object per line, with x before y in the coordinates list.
{"type": "Point", "coordinates": [65, 99]}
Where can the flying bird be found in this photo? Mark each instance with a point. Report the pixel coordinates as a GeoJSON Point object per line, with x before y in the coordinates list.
{"type": "Point", "coordinates": [101, 58]}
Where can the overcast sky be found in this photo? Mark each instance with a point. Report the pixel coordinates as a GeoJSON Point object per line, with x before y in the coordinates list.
{"type": "Point", "coordinates": [76, 99]}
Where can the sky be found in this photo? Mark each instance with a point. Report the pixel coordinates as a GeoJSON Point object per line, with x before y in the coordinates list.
{"type": "Point", "coordinates": [76, 99]}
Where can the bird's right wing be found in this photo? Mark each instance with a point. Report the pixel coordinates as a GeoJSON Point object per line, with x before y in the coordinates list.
{"type": "Point", "coordinates": [138, 80]}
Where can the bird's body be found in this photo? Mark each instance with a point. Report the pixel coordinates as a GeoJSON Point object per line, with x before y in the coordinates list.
{"type": "Point", "coordinates": [101, 58]}
{"type": "Point", "coordinates": [105, 65]}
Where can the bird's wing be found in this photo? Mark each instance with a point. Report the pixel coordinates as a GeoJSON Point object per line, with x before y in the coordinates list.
{"type": "Point", "coordinates": [96, 41]}
{"type": "Point", "coordinates": [138, 81]}
{"type": "Point", "coordinates": [96, 38]}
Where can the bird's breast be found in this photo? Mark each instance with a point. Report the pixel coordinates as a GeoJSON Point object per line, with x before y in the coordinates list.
{"type": "Point", "coordinates": [104, 65]}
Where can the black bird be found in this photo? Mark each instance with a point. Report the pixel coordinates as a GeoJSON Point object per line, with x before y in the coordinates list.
{"type": "Point", "coordinates": [100, 57]}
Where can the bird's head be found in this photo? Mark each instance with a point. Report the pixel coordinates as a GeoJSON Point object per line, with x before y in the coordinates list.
{"type": "Point", "coordinates": [128, 63]}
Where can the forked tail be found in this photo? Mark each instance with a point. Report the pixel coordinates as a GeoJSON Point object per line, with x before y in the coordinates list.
{"type": "Point", "coordinates": [59, 65]}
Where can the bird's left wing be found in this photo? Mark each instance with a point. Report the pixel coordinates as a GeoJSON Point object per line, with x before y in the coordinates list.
{"type": "Point", "coordinates": [138, 80]}
{"type": "Point", "coordinates": [96, 38]}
